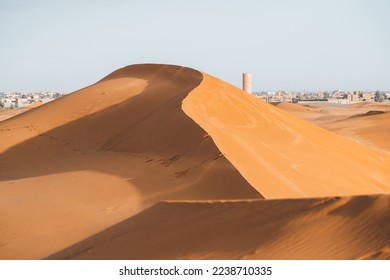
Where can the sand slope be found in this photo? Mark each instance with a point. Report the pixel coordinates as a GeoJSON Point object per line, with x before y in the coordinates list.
{"type": "Point", "coordinates": [281, 155]}
{"type": "Point", "coordinates": [320, 228]}
{"type": "Point", "coordinates": [9, 113]}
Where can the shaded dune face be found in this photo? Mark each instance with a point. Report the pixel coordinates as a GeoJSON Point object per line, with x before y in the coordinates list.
{"type": "Point", "coordinates": [317, 228]}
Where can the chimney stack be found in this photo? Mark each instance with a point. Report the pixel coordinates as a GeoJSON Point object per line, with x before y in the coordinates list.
{"type": "Point", "coordinates": [247, 82]}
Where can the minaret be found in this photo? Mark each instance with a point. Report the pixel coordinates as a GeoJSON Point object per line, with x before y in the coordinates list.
{"type": "Point", "coordinates": [247, 82]}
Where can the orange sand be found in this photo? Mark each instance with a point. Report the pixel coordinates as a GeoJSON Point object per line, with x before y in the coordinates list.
{"type": "Point", "coordinates": [9, 113]}
{"type": "Point", "coordinates": [89, 165]}
{"type": "Point", "coordinates": [319, 228]}
{"type": "Point", "coordinates": [366, 122]}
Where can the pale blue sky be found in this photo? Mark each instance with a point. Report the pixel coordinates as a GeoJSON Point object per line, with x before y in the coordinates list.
{"type": "Point", "coordinates": [286, 45]}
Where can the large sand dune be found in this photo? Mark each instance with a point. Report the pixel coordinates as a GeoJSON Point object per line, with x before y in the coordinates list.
{"type": "Point", "coordinates": [86, 161]}
{"type": "Point", "coordinates": [75, 167]}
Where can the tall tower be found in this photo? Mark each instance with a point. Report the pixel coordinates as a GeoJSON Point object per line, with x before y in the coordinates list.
{"type": "Point", "coordinates": [247, 82]}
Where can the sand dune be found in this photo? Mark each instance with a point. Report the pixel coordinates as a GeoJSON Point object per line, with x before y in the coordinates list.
{"type": "Point", "coordinates": [319, 228]}
{"type": "Point", "coordinates": [86, 161]}
{"type": "Point", "coordinates": [365, 122]}
{"type": "Point", "coordinates": [369, 128]}
{"type": "Point", "coordinates": [295, 107]}
{"type": "Point", "coordinates": [77, 167]}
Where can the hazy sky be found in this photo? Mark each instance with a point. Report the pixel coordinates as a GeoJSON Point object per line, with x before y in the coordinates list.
{"type": "Point", "coordinates": [285, 44]}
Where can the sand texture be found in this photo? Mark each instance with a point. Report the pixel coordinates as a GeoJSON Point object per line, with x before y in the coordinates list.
{"type": "Point", "coordinates": [318, 228]}
{"type": "Point", "coordinates": [166, 162]}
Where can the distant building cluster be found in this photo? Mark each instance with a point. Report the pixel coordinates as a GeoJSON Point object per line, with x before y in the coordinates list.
{"type": "Point", "coordinates": [337, 96]}
{"type": "Point", "coordinates": [11, 100]}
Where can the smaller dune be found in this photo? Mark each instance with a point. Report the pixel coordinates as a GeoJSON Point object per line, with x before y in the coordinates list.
{"type": "Point", "coordinates": [366, 123]}
{"type": "Point", "coordinates": [9, 113]}
{"type": "Point", "coordinates": [34, 105]}
{"type": "Point", "coordinates": [317, 228]}
{"type": "Point", "coordinates": [369, 113]}
{"type": "Point", "coordinates": [293, 107]}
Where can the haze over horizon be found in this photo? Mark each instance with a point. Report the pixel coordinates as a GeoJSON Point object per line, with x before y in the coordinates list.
{"type": "Point", "coordinates": [286, 45]}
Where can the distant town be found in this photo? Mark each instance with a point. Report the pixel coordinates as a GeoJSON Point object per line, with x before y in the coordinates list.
{"type": "Point", "coordinates": [14, 100]}
{"type": "Point", "coordinates": [337, 96]}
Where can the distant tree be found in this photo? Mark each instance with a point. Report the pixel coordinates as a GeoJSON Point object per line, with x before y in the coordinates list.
{"type": "Point", "coordinates": [2, 105]}
{"type": "Point", "coordinates": [378, 97]}
{"type": "Point", "coordinates": [326, 95]}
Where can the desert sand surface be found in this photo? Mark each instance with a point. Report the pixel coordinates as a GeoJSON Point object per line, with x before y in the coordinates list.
{"type": "Point", "coordinates": [365, 122]}
{"type": "Point", "coordinates": [9, 113]}
{"type": "Point", "coordinates": [317, 228]}
{"type": "Point", "coordinates": [162, 154]}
